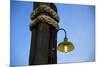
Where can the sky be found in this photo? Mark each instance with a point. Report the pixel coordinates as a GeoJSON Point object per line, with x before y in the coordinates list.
{"type": "Point", "coordinates": [77, 20]}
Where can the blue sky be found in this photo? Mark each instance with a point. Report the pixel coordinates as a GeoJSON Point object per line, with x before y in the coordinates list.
{"type": "Point", "coordinates": [78, 20]}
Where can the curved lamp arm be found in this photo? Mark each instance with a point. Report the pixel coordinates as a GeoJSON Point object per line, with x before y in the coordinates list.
{"type": "Point", "coordinates": [64, 32]}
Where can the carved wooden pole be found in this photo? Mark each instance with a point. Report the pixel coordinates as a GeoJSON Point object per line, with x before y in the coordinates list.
{"type": "Point", "coordinates": [44, 27]}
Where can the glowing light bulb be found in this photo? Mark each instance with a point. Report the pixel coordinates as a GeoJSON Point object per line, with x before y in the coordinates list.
{"type": "Point", "coordinates": [65, 49]}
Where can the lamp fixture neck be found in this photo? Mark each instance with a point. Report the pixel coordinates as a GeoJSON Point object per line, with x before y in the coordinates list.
{"type": "Point", "coordinates": [64, 32]}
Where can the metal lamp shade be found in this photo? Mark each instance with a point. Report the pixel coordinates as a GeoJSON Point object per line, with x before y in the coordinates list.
{"type": "Point", "coordinates": [65, 46]}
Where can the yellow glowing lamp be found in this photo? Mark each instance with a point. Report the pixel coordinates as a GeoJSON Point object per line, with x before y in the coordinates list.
{"type": "Point", "coordinates": [65, 46]}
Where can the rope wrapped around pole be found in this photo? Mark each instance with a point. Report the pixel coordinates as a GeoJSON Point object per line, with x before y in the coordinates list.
{"type": "Point", "coordinates": [50, 17]}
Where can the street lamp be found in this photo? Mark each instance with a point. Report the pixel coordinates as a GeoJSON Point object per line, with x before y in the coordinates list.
{"type": "Point", "coordinates": [65, 46]}
{"type": "Point", "coordinates": [44, 27]}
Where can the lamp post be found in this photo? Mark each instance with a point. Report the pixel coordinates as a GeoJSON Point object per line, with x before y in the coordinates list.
{"type": "Point", "coordinates": [44, 28]}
